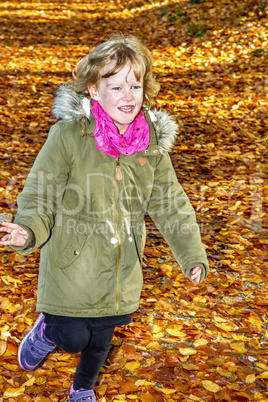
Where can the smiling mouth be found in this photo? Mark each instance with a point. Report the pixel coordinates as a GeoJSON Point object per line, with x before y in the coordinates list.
{"type": "Point", "coordinates": [126, 108]}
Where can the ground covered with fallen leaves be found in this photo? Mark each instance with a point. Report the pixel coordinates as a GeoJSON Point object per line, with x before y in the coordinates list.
{"type": "Point", "coordinates": [187, 342]}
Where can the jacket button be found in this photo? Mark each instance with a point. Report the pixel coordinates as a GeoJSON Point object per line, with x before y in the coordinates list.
{"type": "Point", "coordinates": [76, 252]}
{"type": "Point", "coordinates": [155, 151]}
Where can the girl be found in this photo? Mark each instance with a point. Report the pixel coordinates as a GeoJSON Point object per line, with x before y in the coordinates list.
{"type": "Point", "coordinates": [104, 165]}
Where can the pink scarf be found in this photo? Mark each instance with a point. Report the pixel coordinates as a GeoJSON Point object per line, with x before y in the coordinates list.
{"type": "Point", "coordinates": [135, 139]}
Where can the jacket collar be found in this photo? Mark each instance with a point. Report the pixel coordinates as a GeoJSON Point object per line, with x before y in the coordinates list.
{"type": "Point", "coordinates": [69, 105]}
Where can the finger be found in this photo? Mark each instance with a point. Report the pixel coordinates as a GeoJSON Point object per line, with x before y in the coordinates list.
{"type": "Point", "coordinates": [196, 271]}
{"type": "Point", "coordinates": [195, 277]}
{"type": "Point", "coordinates": [196, 274]}
{"type": "Point", "coordinates": [7, 228]}
{"type": "Point", "coordinates": [5, 240]}
{"type": "Point", "coordinates": [23, 232]}
{"type": "Point", "coordinates": [11, 226]}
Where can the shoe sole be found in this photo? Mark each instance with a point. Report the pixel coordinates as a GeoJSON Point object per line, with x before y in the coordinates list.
{"type": "Point", "coordinates": [39, 318]}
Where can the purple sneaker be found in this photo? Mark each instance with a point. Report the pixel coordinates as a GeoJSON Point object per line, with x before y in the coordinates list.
{"type": "Point", "coordinates": [34, 348]}
{"type": "Point", "coordinates": [82, 395]}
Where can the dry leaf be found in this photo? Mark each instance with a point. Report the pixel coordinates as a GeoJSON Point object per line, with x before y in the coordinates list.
{"type": "Point", "coordinates": [187, 351]}
{"type": "Point", "coordinates": [250, 379]}
{"type": "Point", "coordinates": [210, 386]}
{"type": "Point", "coordinates": [211, 61]}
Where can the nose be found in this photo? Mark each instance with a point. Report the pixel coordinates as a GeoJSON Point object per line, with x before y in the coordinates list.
{"type": "Point", "coordinates": [127, 95]}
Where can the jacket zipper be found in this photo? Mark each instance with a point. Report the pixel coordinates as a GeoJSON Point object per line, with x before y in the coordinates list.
{"type": "Point", "coordinates": [118, 178]}
{"type": "Point", "coordinates": [118, 170]}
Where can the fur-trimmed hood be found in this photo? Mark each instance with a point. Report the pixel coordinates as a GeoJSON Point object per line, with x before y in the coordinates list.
{"type": "Point", "coordinates": [69, 105]}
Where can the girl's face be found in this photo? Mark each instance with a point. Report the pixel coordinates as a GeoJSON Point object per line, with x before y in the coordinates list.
{"type": "Point", "coordinates": [121, 96]}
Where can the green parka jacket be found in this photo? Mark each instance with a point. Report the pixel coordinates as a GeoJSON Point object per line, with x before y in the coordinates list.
{"type": "Point", "coordinates": [89, 221]}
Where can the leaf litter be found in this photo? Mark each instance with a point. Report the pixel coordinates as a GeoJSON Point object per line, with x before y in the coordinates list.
{"type": "Point", "coordinates": [186, 342]}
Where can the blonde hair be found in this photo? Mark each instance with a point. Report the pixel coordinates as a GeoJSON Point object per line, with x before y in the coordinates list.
{"type": "Point", "coordinates": [120, 50]}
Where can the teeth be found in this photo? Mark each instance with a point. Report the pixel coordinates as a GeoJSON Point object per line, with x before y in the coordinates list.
{"type": "Point", "coordinates": [127, 108]}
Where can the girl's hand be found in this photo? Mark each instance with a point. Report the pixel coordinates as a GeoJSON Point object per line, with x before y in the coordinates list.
{"type": "Point", "coordinates": [15, 235]}
{"type": "Point", "coordinates": [196, 274]}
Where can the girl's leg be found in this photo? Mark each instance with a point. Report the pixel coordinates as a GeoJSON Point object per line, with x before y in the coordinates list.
{"type": "Point", "coordinates": [92, 358]}
{"type": "Point", "coordinates": [70, 334]}
{"type": "Point", "coordinates": [74, 335]}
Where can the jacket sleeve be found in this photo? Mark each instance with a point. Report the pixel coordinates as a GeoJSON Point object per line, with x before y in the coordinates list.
{"type": "Point", "coordinates": [43, 190]}
{"type": "Point", "coordinates": [174, 216]}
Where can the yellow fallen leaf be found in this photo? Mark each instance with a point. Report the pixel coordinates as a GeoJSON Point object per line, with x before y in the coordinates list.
{"type": "Point", "coordinates": [262, 366]}
{"type": "Point", "coordinates": [199, 299]}
{"type": "Point", "coordinates": [28, 321]}
{"type": "Point", "coordinates": [258, 397]}
{"type": "Point", "coordinates": [9, 307]}
{"type": "Point", "coordinates": [140, 383]}
{"type": "Point", "coordinates": [210, 386]}
{"type": "Point", "coordinates": [190, 366]}
{"type": "Point", "coordinates": [217, 318]}
{"type": "Point", "coordinates": [227, 327]}
{"type": "Point", "coordinates": [233, 386]}
{"type": "Point", "coordinates": [234, 207]}
{"type": "Point", "coordinates": [10, 367]}
{"type": "Point", "coordinates": [166, 391]}
{"type": "Point", "coordinates": [224, 373]}
{"type": "Point", "coordinates": [13, 392]}
{"type": "Point", "coordinates": [28, 383]}
{"type": "Point", "coordinates": [167, 269]}
{"type": "Point", "coordinates": [176, 332]}
{"type": "Point", "coordinates": [7, 279]}
{"type": "Point", "coordinates": [238, 346]}
{"type": "Point", "coordinates": [149, 383]}
{"type": "Point", "coordinates": [4, 331]}
{"type": "Point", "coordinates": [102, 389]}
{"type": "Point", "coordinates": [250, 379]}
{"type": "Point", "coordinates": [231, 366]}
{"type": "Point", "coordinates": [187, 351]}
{"type": "Point", "coordinates": [200, 342]}
{"type": "Point", "coordinates": [132, 366]}
{"type": "Point", "coordinates": [3, 347]}
{"type": "Point", "coordinates": [195, 398]}
{"type": "Point", "coordinates": [156, 328]}
{"type": "Point", "coordinates": [153, 345]}
{"type": "Point", "coordinates": [20, 258]}
{"type": "Point", "coordinates": [264, 374]}
{"type": "Point", "coordinates": [255, 320]}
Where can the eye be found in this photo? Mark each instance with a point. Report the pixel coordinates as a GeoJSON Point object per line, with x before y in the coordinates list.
{"type": "Point", "coordinates": [136, 87]}
{"type": "Point", "coordinates": [116, 89]}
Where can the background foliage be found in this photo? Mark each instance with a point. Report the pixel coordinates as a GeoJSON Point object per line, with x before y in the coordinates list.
{"type": "Point", "coordinates": [187, 342]}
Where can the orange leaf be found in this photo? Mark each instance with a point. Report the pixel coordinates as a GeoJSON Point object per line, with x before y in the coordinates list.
{"type": "Point", "coordinates": [148, 397]}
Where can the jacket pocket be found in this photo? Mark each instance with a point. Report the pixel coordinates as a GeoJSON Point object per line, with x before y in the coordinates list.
{"type": "Point", "coordinates": [71, 251]}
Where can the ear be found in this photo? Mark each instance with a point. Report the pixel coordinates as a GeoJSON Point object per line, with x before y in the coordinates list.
{"type": "Point", "coordinates": [92, 89]}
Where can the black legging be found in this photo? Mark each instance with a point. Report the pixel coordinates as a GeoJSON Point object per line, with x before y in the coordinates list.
{"type": "Point", "coordinates": [74, 335]}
